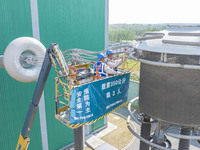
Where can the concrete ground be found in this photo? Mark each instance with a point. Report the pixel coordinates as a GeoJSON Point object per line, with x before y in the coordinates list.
{"type": "Point", "coordinates": [115, 137]}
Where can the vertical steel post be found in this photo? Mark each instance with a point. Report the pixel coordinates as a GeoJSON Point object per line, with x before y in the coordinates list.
{"type": "Point", "coordinates": [79, 138]}
{"type": "Point", "coordinates": [184, 144]}
{"type": "Point", "coordinates": [145, 132]}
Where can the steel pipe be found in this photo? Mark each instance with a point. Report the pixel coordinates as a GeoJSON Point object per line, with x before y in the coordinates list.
{"type": "Point", "coordinates": [154, 33]}
{"type": "Point", "coordinates": [183, 34]}
{"type": "Point", "coordinates": [150, 37]}
{"type": "Point", "coordinates": [181, 43]}
{"type": "Point", "coordinates": [131, 113]}
{"type": "Point", "coordinates": [180, 136]}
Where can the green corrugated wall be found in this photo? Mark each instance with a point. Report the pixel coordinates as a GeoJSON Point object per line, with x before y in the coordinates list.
{"type": "Point", "coordinates": [15, 21]}
{"type": "Point", "coordinates": [71, 23]}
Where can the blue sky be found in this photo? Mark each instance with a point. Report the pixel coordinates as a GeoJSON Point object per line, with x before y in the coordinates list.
{"type": "Point", "coordinates": [154, 11]}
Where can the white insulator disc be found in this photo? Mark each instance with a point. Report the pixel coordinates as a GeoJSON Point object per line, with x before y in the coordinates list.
{"type": "Point", "coordinates": [23, 59]}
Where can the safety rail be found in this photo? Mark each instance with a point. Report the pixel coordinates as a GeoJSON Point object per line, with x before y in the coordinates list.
{"type": "Point", "coordinates": [154, 33]}
{"type": "Point", "coordinates": [164, 64]}
{"type": "Point", "coordinates": [183, 34]}
{"type": "Point", "coordinates": [181, 43]}
{"type": "Point", "coordinates": [150, 37]}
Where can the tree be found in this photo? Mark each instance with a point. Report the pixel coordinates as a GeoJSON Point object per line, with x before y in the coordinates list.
{"type": "Point", "coordinates": [119, 35]}
{"type": "Point", "coordinates": [138, 29]}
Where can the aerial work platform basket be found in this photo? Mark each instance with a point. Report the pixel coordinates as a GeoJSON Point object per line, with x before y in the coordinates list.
{"type": "Point", "coordinates": [80, 98]}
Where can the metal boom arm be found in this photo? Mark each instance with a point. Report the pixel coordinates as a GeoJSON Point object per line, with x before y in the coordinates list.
{"type": "Point", "coordinates": [33, 107]}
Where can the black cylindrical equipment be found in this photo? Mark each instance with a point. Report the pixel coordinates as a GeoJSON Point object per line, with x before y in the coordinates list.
{"type": "Point", "coordinates": [170, 94]}
{"type": "Point", "coordinates": [170, 77]}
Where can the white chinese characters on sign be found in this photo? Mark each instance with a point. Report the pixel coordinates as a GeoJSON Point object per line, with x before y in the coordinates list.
{"type": "Point", "coordinates": [108, 95]}
{"type": "Point", "coordinates": [113, 93]}
{"type": "Point", "coordinates": [83, 104]}
{"type": "Point", "coordinates": [119, 81]}
{"type": "Point", "coordinates": [88, 110]}
{"type": "Point", "coordinates": [78, 100]}
{"type": "Point", "coordinates": [118, 92]}
{"type": "Point", "coordinates": [108, 84]}
{"type": "Point", "coordinates": [123, 80]}
{"type": "Point", "coordinates": [79, 105]}
{"type": "Point", "coordinates": [86, 91]}
{"type": "Point", "coordinates": [87, 104]}
{"type": "Point", "coordinates": [86, 98]}
{"type": "Point", "coordinates": [79, 93]}
{"type": "Point", "coordinates": [112, 83]}
{"type": "Point", "coordinates": [103, 86]}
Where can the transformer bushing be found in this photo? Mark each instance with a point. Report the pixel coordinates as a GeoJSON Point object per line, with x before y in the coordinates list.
{"type": "Point", "coordinates": [169, 85]}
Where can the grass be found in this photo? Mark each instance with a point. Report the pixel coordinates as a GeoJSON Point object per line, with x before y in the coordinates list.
{"type": "Point", "coordinates": [87, 148]}
{"type": "Point", "coordinates": [135, 78]}
{"type": "Point", "coordinates": [135, 63]}
{"type": "Point", "coordinates": [119, 137]}
{"type": "Point", "coordinates": [133, 67]}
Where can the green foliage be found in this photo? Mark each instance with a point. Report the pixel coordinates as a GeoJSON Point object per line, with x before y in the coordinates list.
{"type": "Point", "coordinates": [119, 32]}
{"type": "Point", "coordinates": [135, 77]}
{"type": "Point", "coordinates": [119, 35]}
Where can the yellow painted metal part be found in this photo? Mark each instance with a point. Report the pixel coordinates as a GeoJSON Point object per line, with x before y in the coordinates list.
{"type": "Point", "coordinates": [64, 121]}
{"type": "Point", "coordinates": [56, 88]}
{"type": "Point", "coordinates": [130, 67]}
{"type": "Point", "coordinates": [74, 126]}
{"type": "Point", "coordinates": [83, 65]}
{"type": "Point", "coordinates": [22, 143]}
{"type": "Point", "coordinates": [62, 109]}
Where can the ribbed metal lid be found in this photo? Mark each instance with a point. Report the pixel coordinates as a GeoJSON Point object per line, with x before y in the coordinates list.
{"type": "Point", "coordinates": [176, 39]}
